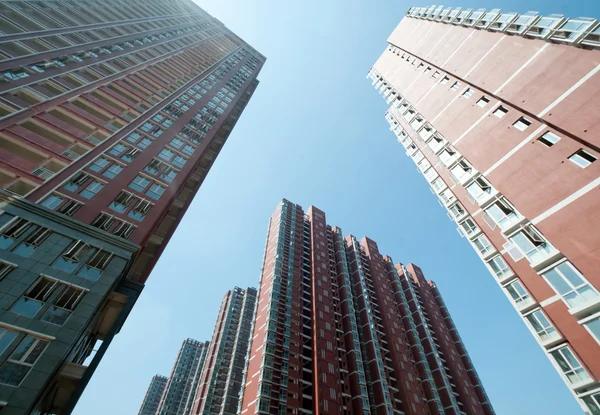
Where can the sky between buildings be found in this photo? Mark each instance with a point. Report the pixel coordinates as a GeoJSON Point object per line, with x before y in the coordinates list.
{"type": "Point", "coordinates": [314, 133]}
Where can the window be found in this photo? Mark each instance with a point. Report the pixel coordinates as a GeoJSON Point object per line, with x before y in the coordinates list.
{"type": "Point", "coordinates": [124, 230]}
{"type": "Point", "coordinates": [22, 359]}
{"type": "Point", "coordinates": [455, 86]}
{"type": "Point", "coordinates": [95, 265]}
{"type": "Point", "coordinates": [483, 245]}
{"type": "Point", "coordinates": [570, 284]}
{"type": "Point", "coordinates": [448, 155]}
{"type": "Point", "coordinates": [52, 201]}
{"type": "Point", "coordinates": [166, 154]}
{"type": "Point", "coordinates": [457, 210]}
{"type": "Point", "coordinates": [72, 256]}
{"type": "Point", "coordinates": [91, 189]}
{"type": "Point", "coordinates": [140, 210]}
{"type": "Point", "coordinates": [593, 403]}
{"type": "Point", "coordinates": [444, 80]}
{"type": "Point", "coordinates": [69, 208]}
{"type": "Point", "coordinates": [518, 294]}
{"type": "Point", "coordinates": [155, 191]}
{"type": "Point", "coordinates": [522, 123]}
{"type": "Point", "coordinates": [569, 365]}
{"type": "Point", "coordinates": [139, 183]}
{"type": "Point", "coordinates": [549, 139]}
{"type": "Point", "coordinates": [133, 137]}
{"type": "Point", "coordinates": [6, 338]}
{"type": "Point", "coordinates": [461, 172]}
{"type": "Point", "coordinates": [532, 244]}
{"type": "Point", "coordinates": [14, 231]}
{"type": "Point", "coordinates": [480, 189]}
{"type": "Point", "coordinates": [112, 171]}
{"type": "Point", "coordinates": [122, 202]}
{"type": "Point", "coordinates": [593, 326]}
{"type": "Point", "coordinates": [468, 93]}
{"type": "Point", "coordinates": [188, 149]}
{"type": "Point", "coordinates": [582, 158]}
{"type": "Point", "coordinates": [64, 304]}
{"type": "Point", "coordinates": [117, 149]}
{"type": "Point", "coordinates": [469, 227]}
{"type": "Point", "coordinates": [499, 267]}
{"type": "Point", "coordinates": [503, 214]}
{"type": "Point", "coordinates": [144, 143]}
{"type": "Point", "coordinates": [33, 241]}
{"type": "Point", "coordinates": [103, 221]}
{"type": "Point", "coordinates": [176, 142]}
{"type": "Point", "coordinates": [179, 161]}
{"type": "Point", "coordinates": [500, 111]}
{"type": "Point", "coordinates": [130, 155]}
{"type": "Point", "coordinates": [447, 196]}
{"type": "Point", "coordinates": [77, 181]}
{"type": "Point", "coordinates": [541, 325]}
{"type": "Point", "coordinates": [483, 101]}
{"type": "Point", "coordinates": [5, 269]}
{"type": "Point", "coordinates": [99, 164]}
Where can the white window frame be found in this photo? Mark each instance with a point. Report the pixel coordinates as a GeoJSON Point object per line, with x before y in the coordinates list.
{"type": "Point", "coordinates": [564, 351]}
{"type": "Point", "coordinates": [577, 290]}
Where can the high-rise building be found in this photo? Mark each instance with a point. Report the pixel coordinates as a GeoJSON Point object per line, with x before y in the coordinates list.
{"type": "Point", "coordinates": [153, 395]}
{"type": "Point", "coordinates": [221, 380]}
{"type": "Point", "coordinates": [341, 329]}
{"type": "Point", "coordinates": [499, 112]}
{"type": "Point", "coordinates": [181, 387]}
{"type": "Point", "coordinates": [111, 114]}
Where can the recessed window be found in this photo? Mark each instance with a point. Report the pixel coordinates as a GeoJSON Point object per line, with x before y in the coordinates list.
{"type": "Point", "coordinates": [569, 365]}
{"type": "Point", "coordinates": [500, 111]}
{"type": "Point", "coordinates": [468, 93]}
{"type": "Point", "coordinates": [444, 80]}
{"type": "Point", "coordinates": [549, 139]}
{"type": "Point", "coordinates": [582, 158]}
{"type": "Point", "coordinates": [522, 123]}
{"type": "Point", "coordinates": [483, 101]}
{"type": "Point", "coordinates": [593, 326]}
{"type": "Point", "coordinates": [455, 86]}
{"type": "Point", "coordinates": [570, 284]}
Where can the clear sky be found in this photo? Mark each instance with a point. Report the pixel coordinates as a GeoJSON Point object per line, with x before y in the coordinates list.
{"type": "Point", "coordinates": [314, 133]}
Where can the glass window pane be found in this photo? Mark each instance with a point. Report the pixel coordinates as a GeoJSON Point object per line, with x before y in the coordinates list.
{"type": "Point", "coordinates": [6, 339]}
{"type": "Point", "coordinates": [26, 307]}
{"type": "Point", "coordinates": [570, 274]}
{"type": "Point", "coordinates": [557, 281]}
{"type": "Point", "coordinates": [13, 373]}
{"type": "Point", "coordinates": [593, 326]}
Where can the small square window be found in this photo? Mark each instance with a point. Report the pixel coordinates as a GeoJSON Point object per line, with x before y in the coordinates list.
{"type": "Point", "coordinates": [549, 139]}
{"type": "Point", "coordinates": [455, 86]}
{"type": "Point", "coordinates": [500, 111]}
{"type": "Point", "coordinates": [483, 101]}
{"type": "Point", "coordinates": [444, 80]}
{"type": "Point", "coordinates": [468, 93]}
{"type": "Point", "coordinates": [582, 158]}
{"type": "Point", "coordinates": [522, 123]}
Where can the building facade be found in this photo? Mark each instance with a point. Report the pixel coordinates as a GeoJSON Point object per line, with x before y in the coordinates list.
{"type": "Point", "coordinates": [341, 329]}
{"type": "Point", "coordinates": [153, 395]}
{"type": "Point", "coordinates": [111, 115]}
{"type": "Point", "coordinates": [499, 112]}
{"type": "Point", "coordinates": [221, 379]}
{"type": "Point", "coordinates": [183, 382]}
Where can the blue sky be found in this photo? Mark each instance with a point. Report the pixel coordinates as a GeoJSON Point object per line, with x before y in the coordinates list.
{"type": "Point", "coordinates": [314, 133]}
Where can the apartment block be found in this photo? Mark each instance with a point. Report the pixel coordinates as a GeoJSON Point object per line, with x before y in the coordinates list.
{"type": "Point", "coordinates": [342, 329]}
{"type": "Point", "coordinates": [153, 395]}
{"type": "Point", "coordinates": [111, 115]}
{"type": "Point", "coordinates": [499, 113]}
{"type": "Point", "coordinates": [183, 382]}
{"type": "Point", "coordinates": [221, 380]}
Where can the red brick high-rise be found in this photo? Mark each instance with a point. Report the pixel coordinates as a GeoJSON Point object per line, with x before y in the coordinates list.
{"type": "Point", "coordinates": [341, 329]}
{"type": "Point", "coordinates": [111, 115]}
{"type": "Point", "coordinates": [500, 113]}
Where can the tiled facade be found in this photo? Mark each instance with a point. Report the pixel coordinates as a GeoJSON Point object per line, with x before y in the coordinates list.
{"type": "Point", "coordinates": [153, 395]}
{"type": "Point", "coordinates": [499, 113]}
{"type": "Point", "coordinates": [111, 115]}
{"type": "Point", "coordinates": [341, 329]}
{"type": "Point", "coordinates": [221, 380]}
